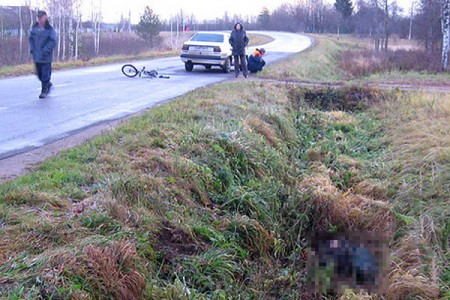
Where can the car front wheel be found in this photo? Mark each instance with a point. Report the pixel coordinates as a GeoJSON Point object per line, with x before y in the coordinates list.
{"type": "Point", "coordinates": [189, 66]}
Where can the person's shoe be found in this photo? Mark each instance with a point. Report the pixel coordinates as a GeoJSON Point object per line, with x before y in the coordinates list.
{"type": "Point", "coordinates": [49, 86]}
{"type": "Point", "coordinates": [236, 76]}
{"type": "Point", "coordinates": [245, 75]}
{"type": "Point", "coordinates": [43, 95]}
{"type": "Point", "coordinates": [44, 91]}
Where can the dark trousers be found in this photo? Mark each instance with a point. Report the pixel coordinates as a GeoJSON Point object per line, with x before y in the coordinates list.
{"type": "Point", "coordinates": [44, 72]}
{"type": "Point", "coordinates": [240, 60]}
{"type": "Point", "coordinates": [254, 68]}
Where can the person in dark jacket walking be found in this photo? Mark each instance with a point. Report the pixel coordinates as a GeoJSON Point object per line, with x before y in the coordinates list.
{"type": "Point", "coordinates": [239, 42]}
{"type": "Point", "coordinates": [42, 41]}
{"type": "Point", "coordinates": [255, 61]}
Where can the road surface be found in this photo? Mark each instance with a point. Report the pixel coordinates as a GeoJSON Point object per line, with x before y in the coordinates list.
{"type": "Point", "coordinates": [88, 96]}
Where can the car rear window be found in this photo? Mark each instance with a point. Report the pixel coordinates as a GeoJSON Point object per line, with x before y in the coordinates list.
{"type": "Point", "coordinates": [208, 37]}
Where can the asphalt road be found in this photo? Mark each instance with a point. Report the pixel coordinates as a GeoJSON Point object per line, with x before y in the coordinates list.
{"type": "Point", "coordinates": [85, 97]}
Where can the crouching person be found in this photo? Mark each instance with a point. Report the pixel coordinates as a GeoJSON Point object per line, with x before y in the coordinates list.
{"type": "Point", "coordinates": [255, 61]}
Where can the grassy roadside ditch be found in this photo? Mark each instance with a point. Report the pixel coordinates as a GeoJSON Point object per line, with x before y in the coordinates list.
{"type": "Point", "coordinates": [10, 71]}
{"type": "Point", "coordinates": [212, 196]}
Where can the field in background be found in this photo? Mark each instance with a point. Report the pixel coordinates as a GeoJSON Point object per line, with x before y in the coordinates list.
{"type": "Point", "coordinates": [352, 61]}
{"type": "Point", "coordinates": [126, 48]}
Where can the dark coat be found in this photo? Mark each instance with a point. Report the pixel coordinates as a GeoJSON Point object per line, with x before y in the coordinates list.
{"type": "Point", "coordinates": [255, 62]}
{"type": "Point", "coordinates": [239, 40]}
{"type": "Point", "coordinates": [42, 41]}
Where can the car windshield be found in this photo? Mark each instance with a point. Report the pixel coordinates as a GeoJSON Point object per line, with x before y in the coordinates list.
{"type": "Point", "coordinates": [208, 37]}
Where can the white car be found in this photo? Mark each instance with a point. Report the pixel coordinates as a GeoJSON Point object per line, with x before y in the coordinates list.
{"type": "Point", "coordinates": [207, 49]}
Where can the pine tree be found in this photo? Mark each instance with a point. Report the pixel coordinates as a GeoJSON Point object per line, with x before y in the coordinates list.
{"type": "Point", "coordinates": [344, 7]}
{"type": "Point", "coordinates": [345, 10]}
{"type": "Point", "coordinates": [264, 18]}
{"type": "Point", "coordinates": [149, 27]}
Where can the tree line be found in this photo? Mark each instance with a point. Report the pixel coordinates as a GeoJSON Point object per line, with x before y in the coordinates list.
{"type": "Point", "coordinates": [78, 34]}
{"type": "Point", "coordinates": [378, 19]}
{"type": "Point", "coordinates": [426, 21]}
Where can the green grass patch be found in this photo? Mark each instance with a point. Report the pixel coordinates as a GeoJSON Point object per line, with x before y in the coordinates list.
{"type": "Point", "coordinates": [318, 63]}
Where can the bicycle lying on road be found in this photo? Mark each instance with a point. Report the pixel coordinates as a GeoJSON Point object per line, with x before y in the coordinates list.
{"type": "Point", "coordinates": [131, 71]}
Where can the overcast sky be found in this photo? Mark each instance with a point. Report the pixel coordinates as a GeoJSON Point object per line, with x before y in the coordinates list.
{"type": "Point", "coordinates": [202, 9]}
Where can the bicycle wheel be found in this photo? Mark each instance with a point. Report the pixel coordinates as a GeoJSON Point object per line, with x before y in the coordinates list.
{"type": "Point", "coordinates": [130, 71]}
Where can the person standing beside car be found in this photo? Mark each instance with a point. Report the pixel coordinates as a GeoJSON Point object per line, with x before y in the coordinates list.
{"type": "Point", "coordinates": [42, 42]}
{"type": "Point", "coordinates": [239, 42]}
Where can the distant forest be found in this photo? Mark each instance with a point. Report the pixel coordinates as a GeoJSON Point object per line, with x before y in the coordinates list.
{"type": "Point", "coordinates": [84, 36]}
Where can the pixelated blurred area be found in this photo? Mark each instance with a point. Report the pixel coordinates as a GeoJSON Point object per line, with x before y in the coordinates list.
{"type": "Point", "coordinates": [352, 260]}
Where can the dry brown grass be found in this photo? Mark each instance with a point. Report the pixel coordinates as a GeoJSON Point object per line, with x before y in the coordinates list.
{"type": "Point", "coordinates": [408, 276]}
{"type": "Point", "coordinates": [372, 189]}
{"type": "Point", "coordinates": [347, 210]}
{"type": "Point", "coordinates": [255, 238]}
{"type": "Point", "coordinates": [394, 42]}
{"type": "Point", "coordinates": [340, 117]}
{"type": "Point", "coordinates": [352, 211]}
{"type": "Point", "coordinates": [358, 63]}
{"type": "Point", "coordinates": [30, 196]}
{"type": "Point", "coordinates": [420, 135]}
{"type": "Point", "coordinates": [111, 271]}
{"type": "Point", "coordinates": [419, 129]}
{"type": "Point", "coordinates": [108, 271]}
{"type": "Point", "coordinates": [263, 128]}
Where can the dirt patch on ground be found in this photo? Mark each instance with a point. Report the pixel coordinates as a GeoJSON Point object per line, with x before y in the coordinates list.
{"type": "Point", "coordinates": [344, 99]}
{"type": "Point", "coordinates": [175, 242]}
{"type": "Point", "coordinates": [416, 85]}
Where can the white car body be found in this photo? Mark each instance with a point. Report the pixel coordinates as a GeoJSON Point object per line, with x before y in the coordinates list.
{"type": "Point", "coordinates": [207, 49]}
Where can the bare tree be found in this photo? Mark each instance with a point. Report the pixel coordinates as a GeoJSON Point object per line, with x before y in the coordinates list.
{"type": "Point", "coordinates": [54, 8]}
{"type": "Point", "coordinates": [445, 22]}
{"type": "Point", "coordinates": [181, 19]}
{"type": "Point", "coordinates": [345, 10]}
{"type": "Point", "coordinates": [20, 33]}
{"type": "Point", "coordinates": [63, 15]}
{"type": "Point", "coordinates": [429, 26]}
{"type": "Point", "coordinates": [386, 24]}
{"type": "Point", "coordinates": [411, 17]}
{"type": "Point", "coordinates": [2, 23]}
{"type": "Point", "coordinates": [96, 6]}
{"type": "Point", "coordinates": [77, 35]}
{"type": "Point", "coordinates": [377, 25]}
